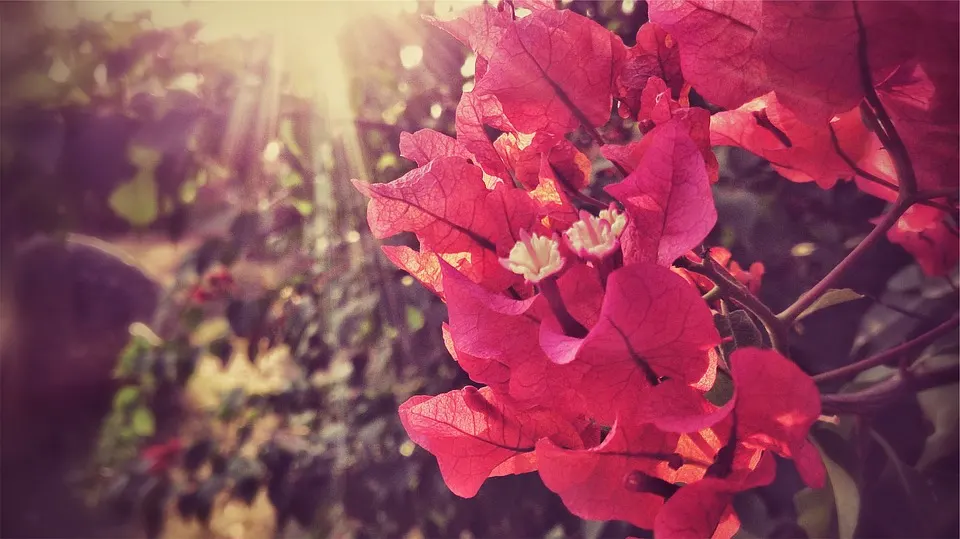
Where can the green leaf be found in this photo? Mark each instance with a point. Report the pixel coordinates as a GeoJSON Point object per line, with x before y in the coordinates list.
{"type": "Point", "coordinates": [387, 161]}
{"type": "Point", "coordinates": [130, 356]}
{"type": "Point", "coordinates": [722, 390]}
{"type": "Point", "coordinates": [815, 509]}
{"type": "Point", "coordinates": [415, 320]}
{"type": "Point", "coordinates": [305, 207]}
{"type": "Point", "coordinates": [289, 137]}
{"type": "Point", "coordinates": [142, 422]}
{"type": "Point", "coordinates": [916, 491]}
{"type": "Point", "coordinates": [136, 200]}
{"type": "Point", "coordinates": [941, 407]}
{"type": "Point", "coordinates": [846, 496]}
{"type": "Point", "coordinates": [33, 87]}
{"type": "Point", "coordinates": [740, 328]}
{"type": "Point", "coordinates": [144, 157]}
{"type": "Point", "coordinates": [126, 397]}
{"type": "Point", "coordinates": [832, 297]}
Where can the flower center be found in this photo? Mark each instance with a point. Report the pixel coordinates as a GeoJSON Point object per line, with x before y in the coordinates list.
{"type": "Point", "coordinates": [535, 257]}
{"type": "Point", "coordinates": [596, 237]}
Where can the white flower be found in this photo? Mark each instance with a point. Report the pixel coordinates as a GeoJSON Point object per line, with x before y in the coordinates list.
{"type": "Point", "coordinates": [596, 237]}
{"type": "Point", "coordinates": [534, 257]}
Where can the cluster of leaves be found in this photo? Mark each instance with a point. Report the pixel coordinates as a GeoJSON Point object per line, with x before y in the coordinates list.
{"type": "Point", "coordinates": [116, 125]}
{"type": "Point", "coordinates": [603, 367]}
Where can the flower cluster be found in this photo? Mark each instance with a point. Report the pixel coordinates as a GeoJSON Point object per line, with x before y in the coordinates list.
{"type": "Point", "coordinates": [599, 361]}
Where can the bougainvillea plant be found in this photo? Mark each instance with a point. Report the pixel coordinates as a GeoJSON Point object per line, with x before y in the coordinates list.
{"type": "Point", "coordinates": [598, 329]}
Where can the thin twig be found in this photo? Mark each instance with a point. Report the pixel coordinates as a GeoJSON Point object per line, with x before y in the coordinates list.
{"type": "Point", "coordinates": [732, 289]}
{"type": "Point", "coordinates": [905, 175]}
{"type": "Point", "coordinates": [880, 395]}
{"type": "Point", "coordinates": [898, 151]}
{"type": "Point", "coordinates": [806, 300]}
{"type": "Point", "coordinates": [713, 294]}
{"type": "Point", "coordinates": [853, 165]}
{"type": "Point", "coordinates": [575, 193]}
{"type": "Point", "coordinates": [948, 192]}
{"type": "Point", "coordinates": [887, 356]}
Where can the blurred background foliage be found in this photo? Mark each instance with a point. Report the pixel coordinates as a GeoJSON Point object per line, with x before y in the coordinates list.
{"type": "Point", "coordinates": [195, 183]}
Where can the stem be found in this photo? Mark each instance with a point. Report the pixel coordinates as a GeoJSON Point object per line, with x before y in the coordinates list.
{"type": "Point", "coordinates": [731, 288]}
{"type": "Point", "coordinates": [921, 198]}
{"type": "Point", "coordinates": [806, 300]}
{"type": "Point", "coordinates": [906, 177]}
{"type": "Point", "coordinates": [575, 193]}
{"type": "Point", "coordinates": [853, 165]}
{"type": "Point", "coordinates": [888, 391]}
{"type": "Point", "coordinates": [887, 356]}
{"type": "Point", "coordinates": [550, 290]}
{"type": "Point", "coordinates": [898, 151]}
{"type": "Point", "coordinates": [713, 294]}
{"type": "Point", "coordinates": [924, 196]}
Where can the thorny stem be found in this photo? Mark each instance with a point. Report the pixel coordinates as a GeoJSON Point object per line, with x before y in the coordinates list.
{"type": "Point", "coordinates": [888, 391]}
{"type": "Point", "coordinates": [730, 288]}
{"type": "Point", "coordinates": [887, 356]}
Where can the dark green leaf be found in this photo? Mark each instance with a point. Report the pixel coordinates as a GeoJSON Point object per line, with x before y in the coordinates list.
{"type": "Point", "coordinates": [188, 505]}
{"type": "Point", "coordinates": [197, 454]}
{"type": "Point", "coordinates": [246, 316]}
{"type": "Point", "coordinates": [222, 348]}
{"type": "Point", "coordinates": [941, 407]}
{"type": "Point", "coordinates": [815, 510]}
{"type": "Point", "coordinates": [245, 227]}
{"type": "Point", "coordinates": [722, 390]}
{"type": "Point", "coordinates": [152, 503]}
{"type": "Point", "coordinates": [737, 330]}
{"type": "Point", "coordinates": [832, 297]}
{"type": "Point", "coordinates": [846, 496]}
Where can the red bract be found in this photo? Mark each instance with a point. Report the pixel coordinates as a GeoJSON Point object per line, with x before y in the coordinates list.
{"type": "Point", "coordinates": [751, 277]}
{"type": "Point", "coordinates": [695, 121]}
{"type": "Point", "coordinates": [799, 152]}
{"type": "Point", "coordinates": [158, 458]}
{"type": "Point", "coordinates": [423, 265]}
{"type": "Point", "coordinates": [473, 112]}
{"type": "Point", "coordinates": [655, 56]}
{"type": "Point", "coordinates": [426, 145]}
{"type": "Point", "coordinates": [733, 52]}
{"type": "Point", "coordinates": [454, 215]}
{"type": "Point", "coordinates": [927, 125]}
{"type": "Point", "coordinates": [652, 325]}
{"type": "Point", "coordinates": [482, 27]}
{"type": "Point", "coordinates": [717, 49]}
{"type": "Point", "coordinates": [624, 478]}
{"type": "Point", "coordinates": [776, 404]}
{"type": "Point", "coordinates": [490, 372]}
{"type": "Point", "coordinates": [704, 508]}
{"type": "Point", "coordinates": [667, 198]}
{"type": "Point", "coordinates": [493, 330]}
{"type": "Point", "coordinates": [552, 71]}
{"type": "Point", "coordinates": [475, 435]}
{"type": "Point", "coordinates": [923, 232]}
